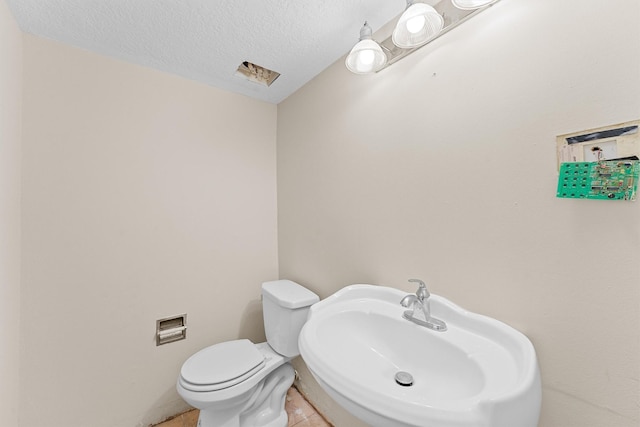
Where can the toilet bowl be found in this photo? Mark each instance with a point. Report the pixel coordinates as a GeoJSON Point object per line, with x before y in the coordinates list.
{"type": "Point", "coordinates": [242, 384]}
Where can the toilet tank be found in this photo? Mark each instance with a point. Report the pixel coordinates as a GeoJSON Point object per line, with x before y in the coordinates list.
{"type": "Point", "coordinates": [285, 305]}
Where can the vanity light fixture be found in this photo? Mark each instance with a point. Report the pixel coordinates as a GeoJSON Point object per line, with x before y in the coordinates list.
{"type": "Point", "coordinates": [422, 22]}
{"type": "Point", "coordinates": [418, 23]}
{"type": "Point", "coordinates": [366, 56]}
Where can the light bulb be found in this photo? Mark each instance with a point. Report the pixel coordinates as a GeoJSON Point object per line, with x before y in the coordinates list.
{"type": "Point", "coordinates": [415, 24]}
{"type": "Point", "coordinates": [366, 57]}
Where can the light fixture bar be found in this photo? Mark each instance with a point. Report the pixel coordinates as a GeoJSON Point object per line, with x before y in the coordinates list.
{"type": "Point", "coordinates": [453, 17]}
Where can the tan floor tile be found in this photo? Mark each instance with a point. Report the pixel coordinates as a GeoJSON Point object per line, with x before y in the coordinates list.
{"type": "Point", "coordinates": [295, 416]}
{"type": "Point", "coordinates": [301, 412]}
{"type": "Point", "coordinates": [297, 407]}
{"type": "Point", "coordinates": [190, 419]}
{"type": "Point", "coordinates": [314, 420]}
{"type": "Point", "coordinates": [174, 422]}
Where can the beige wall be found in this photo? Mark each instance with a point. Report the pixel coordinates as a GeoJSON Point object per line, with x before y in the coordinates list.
{"type": "Point", "coordinates": [443, 167]}
{"type": "Point", "coordinates": [10, 117]}
{"type": "Point", "coordinates": [141, 190]}
{"type": "Point", "coordinates": [144, 195]}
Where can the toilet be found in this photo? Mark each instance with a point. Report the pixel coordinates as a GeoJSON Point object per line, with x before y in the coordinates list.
{"type": "Point", "coordinates": [242, 384]}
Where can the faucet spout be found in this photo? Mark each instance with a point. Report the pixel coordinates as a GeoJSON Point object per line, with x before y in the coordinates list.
{"type": "Point", "coordinates": [420, 312]}
{"type": "Point", "coordinates": [409, 300]}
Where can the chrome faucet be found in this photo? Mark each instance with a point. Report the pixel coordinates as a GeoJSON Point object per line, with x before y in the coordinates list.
{"type": "Point", "coordinates": [420, 312]}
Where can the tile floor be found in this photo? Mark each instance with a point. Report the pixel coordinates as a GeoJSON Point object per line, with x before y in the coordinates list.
{"type": "Point", "coordinates": [301, 414]}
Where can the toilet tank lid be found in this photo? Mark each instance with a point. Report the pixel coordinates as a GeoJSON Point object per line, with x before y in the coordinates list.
{"type": "Point", "coordinates": [289, 294]}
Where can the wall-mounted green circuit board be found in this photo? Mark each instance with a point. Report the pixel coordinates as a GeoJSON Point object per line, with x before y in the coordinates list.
{"type": "Point", "coordinates": [607, 180]}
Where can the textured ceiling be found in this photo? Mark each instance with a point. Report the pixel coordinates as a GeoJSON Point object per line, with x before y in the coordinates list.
{"type": "Point", "coordinates": [206, 40]}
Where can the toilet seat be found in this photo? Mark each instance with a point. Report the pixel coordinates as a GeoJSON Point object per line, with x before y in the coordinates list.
{"type": "Point", "coordinates": [221, 366]}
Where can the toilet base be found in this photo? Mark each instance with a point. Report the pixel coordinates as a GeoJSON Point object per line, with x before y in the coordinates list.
{"type": "Point", "coordinates": [263, 408]}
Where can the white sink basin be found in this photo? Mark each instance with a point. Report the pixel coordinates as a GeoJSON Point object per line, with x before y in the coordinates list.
{"type": "Point", "coordinates": [478, 373]}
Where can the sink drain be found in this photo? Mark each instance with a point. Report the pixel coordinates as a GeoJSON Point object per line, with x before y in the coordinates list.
{"type": "Point", "coordinates": [405, 379]}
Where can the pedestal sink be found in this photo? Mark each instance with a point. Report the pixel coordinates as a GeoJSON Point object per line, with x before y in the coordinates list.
{"type": "Point", "coordinates": [390, 372]}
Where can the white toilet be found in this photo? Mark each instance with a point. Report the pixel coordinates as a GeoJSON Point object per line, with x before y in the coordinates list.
{"type": "Point", "coordinates": [242, 384]}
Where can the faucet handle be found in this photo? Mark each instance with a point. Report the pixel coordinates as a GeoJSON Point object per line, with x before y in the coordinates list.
{"type": "Point", "coordinates": [422, 293]}
{"type": "Point", "coordinates": [420, 282]}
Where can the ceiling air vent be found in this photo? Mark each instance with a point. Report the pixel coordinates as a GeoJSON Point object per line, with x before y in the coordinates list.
{"type": "Point", "coordinates": [257, 74]}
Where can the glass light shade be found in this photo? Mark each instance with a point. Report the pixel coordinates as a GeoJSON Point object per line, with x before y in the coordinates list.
{"type": "Point", "coordinates": [417, 25]}
{"type": "Point", "coordinates": [471, 4]}
{"type": "Point", "coordinates": [366, 57]}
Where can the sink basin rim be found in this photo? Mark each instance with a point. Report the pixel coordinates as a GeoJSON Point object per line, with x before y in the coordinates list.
{"type": "Point", "coordinates": [475, 408]}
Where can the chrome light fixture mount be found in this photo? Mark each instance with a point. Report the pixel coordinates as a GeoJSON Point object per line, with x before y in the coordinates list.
{"type": "Point", "coordinates": [367, 56]}
{"type": "Point", "coordinates": [471, 4]}
{"type": "Point", "coordinates": [419, 24]}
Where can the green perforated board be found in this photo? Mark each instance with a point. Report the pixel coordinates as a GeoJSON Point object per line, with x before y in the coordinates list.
{"type": "Point", "coordinates": [607, 180]}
